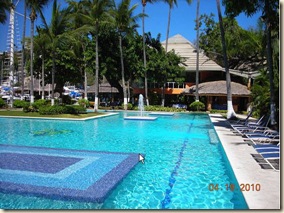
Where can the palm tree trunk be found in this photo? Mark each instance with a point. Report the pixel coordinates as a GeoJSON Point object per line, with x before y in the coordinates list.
{"type": "Point", "coordinates": [230, 110]}
{"type": "Point", "coordinates": [2, 68]}
{"type": "Point", "coordinates": [270, 67]}
{"type": "Point", "coordinates": [122, 74]}
{"type": "Point", "coordinates": [128, 91]}
{"type": "Point", "coordinates": [52, 77]}
{"type": "Point", "coordinates": [85, 75]}
{"type": "Point", "coordinates": [96, 105]}
{"type": "Point", "coordinates": [85, 84]}
{"type": "Point", "coordinates": [197, 53]}
{"type": "Point", "coordinates": [32, 59]}
{"type": "Point", "coordinates": [42, 78]}
{"type": "Point", "coordinates": [23, 52]}
{"type": "Point", "coordinates": [163, 94]}
{"type": "Point", "coordinates": [168, 27]}
{"type": "Point", "coordinates": [144, 56]}
{"type": "Point", "coordinates": [167, 38]}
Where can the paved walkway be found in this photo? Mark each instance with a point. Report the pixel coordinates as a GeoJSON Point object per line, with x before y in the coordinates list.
{"type": "Point", "coordinates": [247, 170]}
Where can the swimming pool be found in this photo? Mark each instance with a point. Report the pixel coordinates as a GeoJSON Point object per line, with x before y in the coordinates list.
{"type": "Point", "coordinates": [183, 160]}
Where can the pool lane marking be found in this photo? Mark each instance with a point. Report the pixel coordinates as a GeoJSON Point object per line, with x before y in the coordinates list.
{"type": "Point", "coordinates": [172, 179]}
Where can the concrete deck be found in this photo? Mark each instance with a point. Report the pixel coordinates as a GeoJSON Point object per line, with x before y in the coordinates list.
{"type": "Point", "coordinates": [246, 169]}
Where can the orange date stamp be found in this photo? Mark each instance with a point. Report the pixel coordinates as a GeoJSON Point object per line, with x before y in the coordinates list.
{"type": "Point", "coordinates": [243, 187]}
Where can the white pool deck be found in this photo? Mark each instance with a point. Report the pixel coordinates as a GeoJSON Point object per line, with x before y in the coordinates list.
{"type": "Point", "coordinates": [246, 169]}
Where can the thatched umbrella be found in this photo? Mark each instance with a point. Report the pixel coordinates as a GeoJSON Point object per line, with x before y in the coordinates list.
{"type": "Point", "coordinates": [218, 88]}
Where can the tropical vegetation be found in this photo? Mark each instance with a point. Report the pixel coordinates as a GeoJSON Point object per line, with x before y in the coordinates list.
{"type": "Point", "coordinates": [72, 47]}
{"type": "Point", "coordinates": [5, 6]}
{"type": "Point", "coordinates": [248, 50]}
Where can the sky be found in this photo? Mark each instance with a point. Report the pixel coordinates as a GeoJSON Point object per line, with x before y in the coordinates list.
{"type": "Point", "coordinates": [182, 19]}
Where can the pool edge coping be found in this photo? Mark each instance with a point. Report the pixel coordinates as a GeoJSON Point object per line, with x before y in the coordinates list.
{"type": "Point", "coordinates": [246, 169]}
{"type": "Point", "coordinates": [67, 119]}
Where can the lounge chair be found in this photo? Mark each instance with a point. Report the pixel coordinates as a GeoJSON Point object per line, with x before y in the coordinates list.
{"type": "Point", "coordinates": [259, 126]}
{"type": "Point", "coordinates": [267, 132]}
{"type": "Point", "coordinates": [265, 146]}
{"type": "Point", "coordinates": [270, 159]}
{"type": "Point", "coordinates": [255, 139]}
{"type": "Point", "coordinates": [247, 122]}
{"type": "Point", "coordinates": [242, 121]}
{"type": "Point", "coordinates": [268, 150]}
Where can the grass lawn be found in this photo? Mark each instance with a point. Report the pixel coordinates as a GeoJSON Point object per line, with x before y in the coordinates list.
{"type": "Point", "coordinates": [36, 114]}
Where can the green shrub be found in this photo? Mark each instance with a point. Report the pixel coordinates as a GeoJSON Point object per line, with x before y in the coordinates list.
{"type": "Point", "coordinates": [79, 109]}
{"type": "Point", "coordinates": [69, 110]}
{"type": "Point", "coordinates": [75, 109]}
{"type": "Point", "coordinates": [218, 111]}
{"type": "Point", "coordinates": [39, 103]}
{"type": "Point", "coordinates": [197, 106]}
{"type": "Point", "coordinates": [84, 103]}
{"type": "Point", "coordinates": [29, 108]}
{"type": "Point", "coordinates": [20, 103]}
{"type": "Point", "coordinates": [2, 103]}
{"type": "Point", "coordinates": [160, 108]}
{"type": "Point", "coordinates": [129, 106]}
{"type": "Point", "coordinates": [56, 109]}
{"type": "Point", "coordinates": [51, 110]}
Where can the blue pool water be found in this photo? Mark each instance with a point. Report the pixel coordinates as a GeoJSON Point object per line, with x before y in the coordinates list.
{"type": "Point", "coordinates": [182, 159]}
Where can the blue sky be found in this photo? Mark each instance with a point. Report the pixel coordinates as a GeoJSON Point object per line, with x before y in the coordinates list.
{"type": "Point", "coordinates": [182, 19]}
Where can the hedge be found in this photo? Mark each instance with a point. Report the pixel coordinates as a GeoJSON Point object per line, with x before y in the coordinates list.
{"type": "Point", "coordinates": [20, 103]}
{"type": "Point", "coordinates": [2, 103]}
{"type": "Point", "coordinates": [51, 110]}
{"type": "Point", "coordinates": [161, 108]}
{"type": "Point", "coordinates": [55, 110]}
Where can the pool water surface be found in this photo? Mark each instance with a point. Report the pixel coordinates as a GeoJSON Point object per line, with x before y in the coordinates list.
{"type": "Point", "coordinates": [183, 159]}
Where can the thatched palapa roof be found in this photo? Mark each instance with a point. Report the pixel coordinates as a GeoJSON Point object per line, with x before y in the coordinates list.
{"type": "Point", "coordinates": [103, 88]}
{"type": "Point", "coordinates": [217, 88]}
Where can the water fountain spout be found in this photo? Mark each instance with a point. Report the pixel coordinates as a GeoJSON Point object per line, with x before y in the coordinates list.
{"type": "Point", "coordinates": [141, 104]}
{"type": "Point", "coordinates": [141, 117]}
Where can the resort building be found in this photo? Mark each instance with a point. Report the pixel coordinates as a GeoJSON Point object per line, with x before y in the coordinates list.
{"type": "Point", "coordinates": [212, 79]}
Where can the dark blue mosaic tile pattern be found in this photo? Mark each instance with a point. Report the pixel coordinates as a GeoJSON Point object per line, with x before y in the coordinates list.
{"type": "Point", "coordinates": [35, 163]}
{"type": "Point", "coordinates": [93, 173]}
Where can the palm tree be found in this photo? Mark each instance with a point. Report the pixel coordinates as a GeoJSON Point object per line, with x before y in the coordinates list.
{"type": "Point", "coordinates": [76, 9]}
{"type": "Point", "coordinates": [35, 6]}
{"type": "Point", "coordinates": [23, 51]}
{"type": "Point", "coordinates": [95, 12]}
{"type": "Point", "coordinates": [41, 44]}
{"type": "Point", "coordinates": [230, 110]}
{"type": "Point", "coordinates": [144, 3]}
{"type": "Point", "coordinates": [270, 16]}
{"type": "Point", "coordinates": [125, 23]}
{"type": "Point", "coordinates": [268, 27]}
{"type": "Point", "coordinates": [5, 6]}
{"type": "Point", "coordinates": [171, 5]}
{"type": "Point", "coordinates": [56, 34]}
{"type": "Point", "coordinates": [197, 52]}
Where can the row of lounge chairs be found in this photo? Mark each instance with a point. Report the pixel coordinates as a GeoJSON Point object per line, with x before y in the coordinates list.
{"type": "Point", "coordinates": [265, 141]}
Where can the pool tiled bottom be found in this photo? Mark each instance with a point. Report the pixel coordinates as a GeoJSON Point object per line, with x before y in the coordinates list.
{"type": "Point", "coordinates": [61, 173]}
